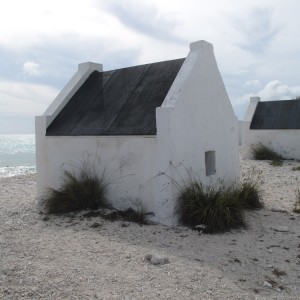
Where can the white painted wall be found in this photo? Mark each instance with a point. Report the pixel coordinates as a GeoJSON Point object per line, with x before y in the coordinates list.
{"type": "Point", "coordinates": [195, 117]}
{"type": "Point", "coordinates": [131, 165]}
{"type": "Point", "coordinates": [200, 117]}
{"type": "Point", "coordinates": [284, 142]}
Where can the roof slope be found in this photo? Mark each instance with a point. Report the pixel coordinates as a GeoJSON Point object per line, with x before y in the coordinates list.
{"type": "Point", "coordinates": [118, 102]}
{"type": "Point", "coordinates": [284, 114]}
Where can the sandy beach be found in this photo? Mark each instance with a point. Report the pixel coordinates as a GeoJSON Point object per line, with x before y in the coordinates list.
{"type": "Point", "coordinates": [75, 257]}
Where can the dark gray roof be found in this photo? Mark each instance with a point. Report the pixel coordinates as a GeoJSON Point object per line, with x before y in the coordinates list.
{"type": "Point", "coordinates": [284, 114]}
{"type": "Point", "coordinates": [118, 102]}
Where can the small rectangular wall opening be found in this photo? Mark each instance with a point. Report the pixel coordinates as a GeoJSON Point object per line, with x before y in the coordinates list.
{"type": "Point", "coordinates": [210, 162]}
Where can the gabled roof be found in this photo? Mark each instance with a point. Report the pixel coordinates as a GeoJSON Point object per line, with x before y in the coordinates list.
{"type": "Point", "coordinates": [118, 102]}
{"type": "Point", "coordinates": [283, 114]}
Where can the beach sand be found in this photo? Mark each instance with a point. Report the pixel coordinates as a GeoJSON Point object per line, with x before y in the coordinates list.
{"type": "Point", "coordinates": [74, 257]}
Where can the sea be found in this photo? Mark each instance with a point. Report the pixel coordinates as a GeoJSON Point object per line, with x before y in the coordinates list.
{"type": "Point", "coordinates": [17, 154]}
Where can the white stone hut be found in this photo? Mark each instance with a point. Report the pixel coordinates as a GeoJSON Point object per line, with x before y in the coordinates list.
{"type": "Point", "coordinates": [275, 124]}
{"type": "Point", "coordinates": [172, 116]}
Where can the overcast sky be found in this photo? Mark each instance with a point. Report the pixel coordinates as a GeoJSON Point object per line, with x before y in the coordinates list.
{"type": "Point", "coordinates": [256, 45]}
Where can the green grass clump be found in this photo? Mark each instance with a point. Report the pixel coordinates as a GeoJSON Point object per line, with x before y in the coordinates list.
{"type": "Point", "coordinates": [77, 192]}
{"type": "Point", "coordinates": [262, 152]}
{"type": "Point", "coordinates": [250, 194]}
{"type": "Point", "coordinates": [296, 168]}
{"type": "Point", "coordinates": [276, 162]}
{"type": "Point", "coordinates": [219, 208]}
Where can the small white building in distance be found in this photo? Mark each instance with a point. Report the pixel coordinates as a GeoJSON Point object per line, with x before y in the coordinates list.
{"type": "Point", "coordinates": [275, 124]}
{"type": "Point", "coordinates": [172, 116]}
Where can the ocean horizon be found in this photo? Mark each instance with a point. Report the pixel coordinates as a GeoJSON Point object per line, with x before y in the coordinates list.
{"type": "Point", "coordinates": [17, 154]}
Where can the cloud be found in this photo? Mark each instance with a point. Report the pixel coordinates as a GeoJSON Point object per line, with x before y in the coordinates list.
{"type": "Point", "coordinates": [51, 21]}
{"type": "Point", "coordinates": [274, 90]}
{"type": "Point", "coordinates": [31, 68]}
{"type": "Point", "coordinates": [256, 29]}
{"type": "Point", "coordinates": [254, 42]}
{"type": "Point", "coordinates": [144, 18]}
{"type": "Point", "coordinates": [24, 99]}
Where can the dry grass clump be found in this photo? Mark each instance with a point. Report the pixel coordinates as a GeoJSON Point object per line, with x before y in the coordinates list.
{"type": "Point", "coordinates": [85, 189]}
{"type": "Point", "coordinates": [250, 194]}
{"type": "Point", "coordinates": [77, 192]}
{"type": "Point", "coordinates": [130, 215]}
{"type": "Point", "coordinates": [219, 208]}
{"type": "Point", "coordinates": [250, 191]}
{"type": "Point", "coordinates": [262, 152]}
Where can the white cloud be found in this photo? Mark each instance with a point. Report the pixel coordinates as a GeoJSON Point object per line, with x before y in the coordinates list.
{"type": "Point", "coordinates": [274, 90]}
{"type": "Point", "coordinates": [64, 23]}
{"type": "Point", "coordinates": [31, 68]}
{"type": "Point", "coordinates": [23, 99]}
{"type": "Point", "coordinates": [53, 21]}
{"type": "Point", "coordinates": [253, 39]}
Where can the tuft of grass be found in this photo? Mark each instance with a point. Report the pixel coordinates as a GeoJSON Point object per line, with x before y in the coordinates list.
{"type": "Point", "coordinates": [250, 195]}
{"type": "Point", "coordinates": [250, 192]}
{"type": "Point", "coordinates": [296, 207]}
{"type": "Point", "coordinates": [219, 208]}
{"type": "Point", "coordinates": [262, 152]}
{"type": "Point", "coordinates": [276, 162]}
{"type": "Point", "coordinates": [77, 192]}
{"type": "Point", "coordinates": [296, 168]}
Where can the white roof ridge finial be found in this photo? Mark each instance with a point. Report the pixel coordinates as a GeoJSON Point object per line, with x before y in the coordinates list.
{"type": "Point", "coordinates": [201, 45]}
